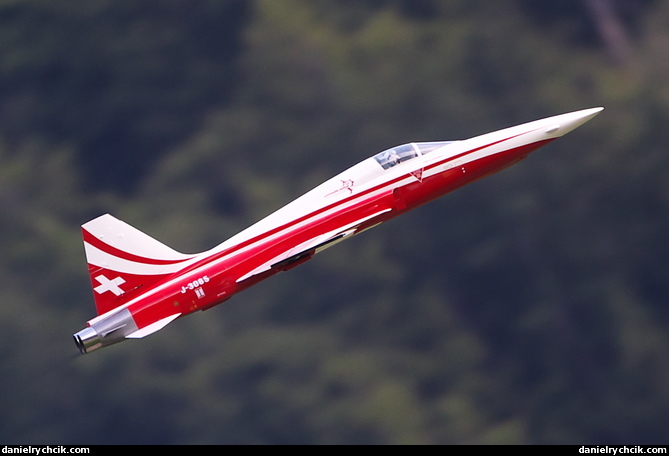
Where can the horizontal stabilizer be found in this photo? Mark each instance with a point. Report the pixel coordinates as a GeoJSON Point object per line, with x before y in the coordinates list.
{"type": "Point", "coordinates": [153, 327]}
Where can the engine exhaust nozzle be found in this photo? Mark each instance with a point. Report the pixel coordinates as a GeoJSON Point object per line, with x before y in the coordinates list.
{"type": "Point", "coordinates": [87, 340]}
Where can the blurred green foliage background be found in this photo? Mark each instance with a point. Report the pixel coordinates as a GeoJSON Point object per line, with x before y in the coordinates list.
{"type": "Point", "coordinates": [530, 307]}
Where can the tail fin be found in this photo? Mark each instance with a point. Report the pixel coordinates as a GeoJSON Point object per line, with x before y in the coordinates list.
{"type": "Point", "coordinates": [122, 259]}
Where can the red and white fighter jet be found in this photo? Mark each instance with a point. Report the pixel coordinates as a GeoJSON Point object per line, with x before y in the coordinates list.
{"type": "Point", "coordinates": [140, 285]}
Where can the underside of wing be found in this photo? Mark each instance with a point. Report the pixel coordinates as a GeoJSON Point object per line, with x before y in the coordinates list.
{"type": "Point", "coordinates": [302, 252]}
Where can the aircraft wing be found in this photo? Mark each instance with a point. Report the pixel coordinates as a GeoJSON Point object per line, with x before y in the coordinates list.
{"type": "Point", "coordinates": [311, 247]}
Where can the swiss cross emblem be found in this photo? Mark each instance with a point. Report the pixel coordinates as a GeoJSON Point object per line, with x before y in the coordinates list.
{"type": "Point", "coordinates": [109, 285]}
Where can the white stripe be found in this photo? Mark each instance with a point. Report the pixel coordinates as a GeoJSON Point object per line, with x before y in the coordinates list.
{"type": "Point", "coordinates": [105, 260]}
{"type": "Point", "coordinates": [120, 235]}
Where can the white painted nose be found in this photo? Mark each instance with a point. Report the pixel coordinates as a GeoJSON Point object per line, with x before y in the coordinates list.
{"type": "Point", "coordinates": [564, 123]}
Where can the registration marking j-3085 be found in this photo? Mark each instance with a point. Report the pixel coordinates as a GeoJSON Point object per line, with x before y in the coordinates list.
{"type": "Point", "coordinates": [195, 284]}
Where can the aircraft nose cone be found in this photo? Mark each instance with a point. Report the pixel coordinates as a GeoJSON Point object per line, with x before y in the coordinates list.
{"type": "Point", "coordinates": [567, 122]}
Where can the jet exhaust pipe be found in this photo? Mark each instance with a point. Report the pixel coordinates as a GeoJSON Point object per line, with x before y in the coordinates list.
{"type": "Point", "coordinates": [87, 340]}
{"type": "Point", "coordinates": [106, 331]}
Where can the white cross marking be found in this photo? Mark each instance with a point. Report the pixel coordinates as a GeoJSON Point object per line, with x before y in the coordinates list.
{"type": "Point", "coordinates": [109, 285]}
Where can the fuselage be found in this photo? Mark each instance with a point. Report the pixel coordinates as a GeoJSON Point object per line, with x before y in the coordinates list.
{"type": "Point", "coordinates": [373, 191]}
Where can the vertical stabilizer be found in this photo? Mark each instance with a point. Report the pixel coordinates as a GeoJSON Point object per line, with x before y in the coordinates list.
{"type": "Point", "coordinates": [123, 260]}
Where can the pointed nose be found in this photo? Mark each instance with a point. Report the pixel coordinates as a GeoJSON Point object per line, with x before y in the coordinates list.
{"type": "Point", "coordinates": [563, 124]}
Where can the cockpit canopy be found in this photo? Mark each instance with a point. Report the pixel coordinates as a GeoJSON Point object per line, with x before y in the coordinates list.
{"type": "Point", "coordinates": [399, 154]}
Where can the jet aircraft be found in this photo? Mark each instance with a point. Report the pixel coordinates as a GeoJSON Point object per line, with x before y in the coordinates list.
{"type": "Point", "coordinates": [140, 285]}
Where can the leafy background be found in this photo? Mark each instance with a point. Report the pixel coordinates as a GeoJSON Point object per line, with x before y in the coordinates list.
{"type": "Point", "coordinates": [530, 307]}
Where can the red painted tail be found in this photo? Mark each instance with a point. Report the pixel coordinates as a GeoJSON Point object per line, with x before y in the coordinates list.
{"type": "Point", "coordinates": [123, 261]}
